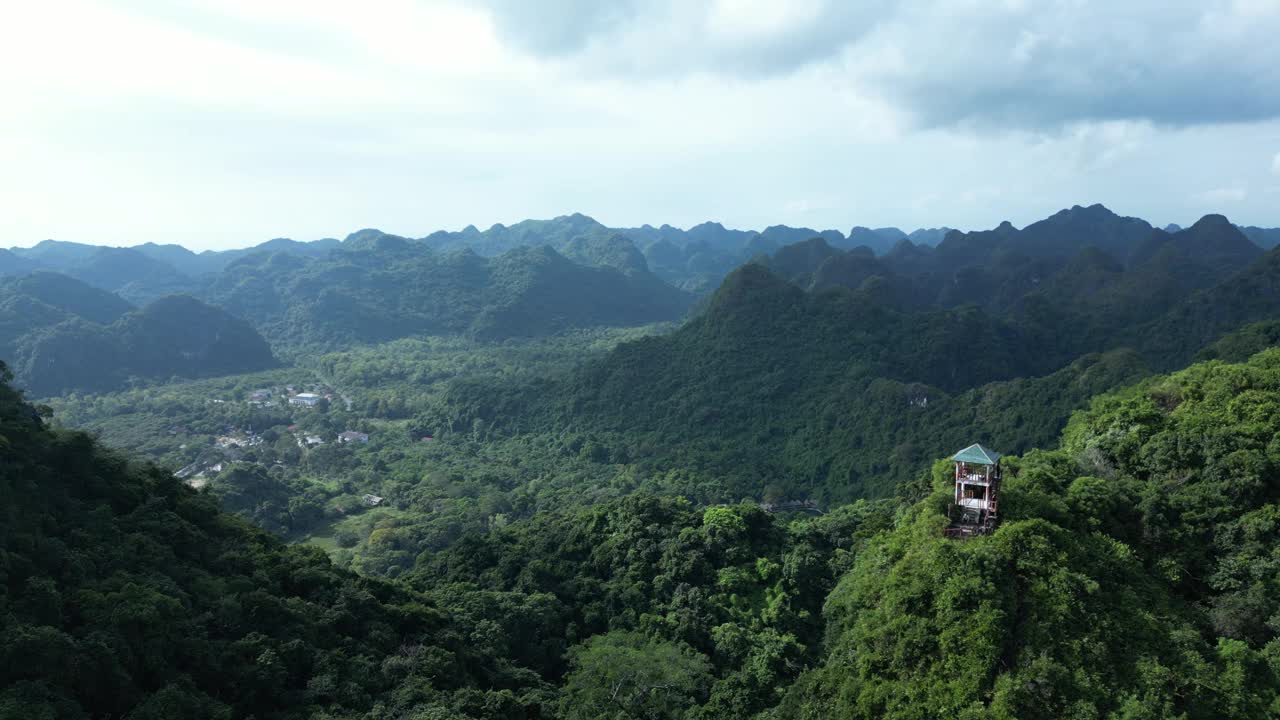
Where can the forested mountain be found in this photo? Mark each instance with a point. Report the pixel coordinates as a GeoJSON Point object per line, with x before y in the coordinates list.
{"type": "Point", "coordinates": [694, 259]}
{"type": "Point", "coordinates": [830, 374]}
{"type": "Point", "coordinates": [556, 543]}
{"type": "Point", "coordinates": [1265, 238]}
{"type": "Point", "coordinates": [210, 262]}
{"type": "Point", "coordinates": [142, 273]}
{"type": "Point", "coordinates": [882, 240]}
{"type": "Point", "coordinates": [380, 287]}
{"type": "Point", "coordinates": [130, 272]}
{"type": "Point", "coordinates": [61, 335]}
{"type": "Point", "coordinates": [831, 395]}
{"type": "Point", "coordinates": [12, 264]}
{"type": "Point", "coordinates": [701, 256]}
{"type": "Point", "coordinates": [499, 238]}
{"type": "Point", "coordinates": [62, 293]}
{"type": "Point", "coordinates": [1130, 578]}
{"type": "Point", "coordinates": [127, 594]}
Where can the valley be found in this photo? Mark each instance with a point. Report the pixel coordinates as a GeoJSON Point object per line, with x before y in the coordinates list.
{"type": "Point", "coordinates": [640, 360]}
{"type": "Point", "coordinates": [503, 474]}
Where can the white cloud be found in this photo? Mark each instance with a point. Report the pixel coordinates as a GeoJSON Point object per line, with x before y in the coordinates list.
{"type": "Point", "coordinates": [107, 54]}
{"type": "Point", "coordinates": [762, 19]}
{"type": "Point", "coordinates": [394, 53]}
{"type": "Point", "coordinates": [1275, 164]}
{"type": "Point", "coordinates": [1224, 195]}
{"type": "Point", "coordinates": [1101, 145]}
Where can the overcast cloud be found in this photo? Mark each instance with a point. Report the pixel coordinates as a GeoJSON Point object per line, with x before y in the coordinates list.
{"type": "Point", "coordinates": [976, 64]}
{"type": "Point", "coordinates": [221, 123]}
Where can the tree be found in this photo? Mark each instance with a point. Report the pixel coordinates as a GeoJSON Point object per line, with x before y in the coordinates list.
{"type": "Point", "coordinates": [624, 675]}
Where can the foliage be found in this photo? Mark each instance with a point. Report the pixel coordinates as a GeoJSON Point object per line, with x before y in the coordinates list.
{"type": "Point", "coordinates": [732, 585]}
{"type": "Point", "coordinates": [126, 593]}
{"type": "Point", "coordinates": [624, 675]}
{"type": "Point", "coordinates": [567, 525]}
{"type": "Point", "coordinates": [1129, 578]}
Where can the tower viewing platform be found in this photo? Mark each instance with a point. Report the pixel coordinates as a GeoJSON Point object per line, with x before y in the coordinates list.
{"type": "Point", "coordinates": [976, 504]}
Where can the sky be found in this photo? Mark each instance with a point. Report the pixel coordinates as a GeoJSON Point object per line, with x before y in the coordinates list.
{"type": "Point", "coordinates": [222, 123]}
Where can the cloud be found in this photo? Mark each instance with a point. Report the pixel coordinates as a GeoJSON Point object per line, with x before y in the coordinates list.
{"type": "Point", "coordinates": [666, 38]}
{"type": "Point", "coordinates": [1047, 65]}
{"type": "Point", "coordinates": [1224, 195]}
{"type": "Point", "coordinates": [559, 27]}
{"type": "Point", "coordinates": [1011, 64]}
{"type": "Point", "coordinates": [1275, 164]}
{"type": "Point", "coordinates": [1100, 145]}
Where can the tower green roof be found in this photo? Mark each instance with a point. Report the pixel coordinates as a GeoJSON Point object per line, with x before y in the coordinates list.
{"type": "Point", "coordinates": [977, 455]}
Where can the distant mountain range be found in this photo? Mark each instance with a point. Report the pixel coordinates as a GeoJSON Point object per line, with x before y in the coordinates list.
{"type": "Point", "coordinates": [143, 272]}
{"type": "Point", "coordinates": [695, 259]}
{"type": "Point", "coordinates": [379, 287]}
{"type": "Point", "coordinates": [1084, 268]}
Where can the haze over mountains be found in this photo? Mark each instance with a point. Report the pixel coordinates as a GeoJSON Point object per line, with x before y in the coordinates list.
{"type": "Point", "coordinates": [542, 277]}
{"type": "Point", "coordinates": [694, 259]}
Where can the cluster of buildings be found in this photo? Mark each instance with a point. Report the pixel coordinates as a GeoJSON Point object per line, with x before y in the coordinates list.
{"type": "Point", "coordinates": [294, 396]}
{"type": "Point", "coordinates": [233, 442]}
{"type": "Point", "coordinates": [263, 398]}
{"type": "Point", "coordinates": [308, 441]}
{"type": "Point", "coordinates": [238, 439]}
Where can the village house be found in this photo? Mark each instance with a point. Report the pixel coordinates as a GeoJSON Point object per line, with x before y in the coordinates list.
{"type": "Point", "coordinates": [353, 436]}
{"type": "Point", "coordinates": [306, 399]}
{"type": "Point", "coordinates": [307, 441]}
{"type": "Point", "coordinates": [372, 500]}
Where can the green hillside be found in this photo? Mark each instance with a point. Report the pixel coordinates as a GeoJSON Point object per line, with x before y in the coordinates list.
{"type": "Point", "coordinates": [1132, 577]}
{"type": "Point", "coordinates": [62, 335]}
{"type": "Point", "coordinates": [504, 505]}
{"type": "Point", "coordinates": [125, 593]}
